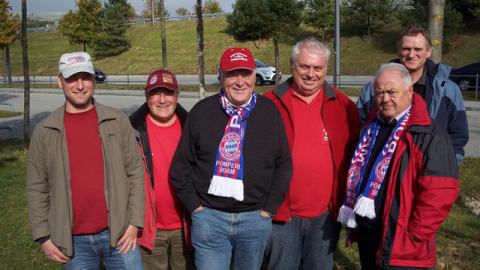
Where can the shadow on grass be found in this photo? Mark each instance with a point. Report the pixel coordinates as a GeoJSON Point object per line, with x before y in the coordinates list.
{"type": "Point", "coordinates": [343, 262]}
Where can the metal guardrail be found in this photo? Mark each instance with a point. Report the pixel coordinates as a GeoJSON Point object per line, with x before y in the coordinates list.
{"type": "Point", "coordinates": [143, 21]}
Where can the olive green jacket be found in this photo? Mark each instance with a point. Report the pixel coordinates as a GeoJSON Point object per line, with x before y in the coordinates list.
{"type": "Point", "coordinates": [48, 178]}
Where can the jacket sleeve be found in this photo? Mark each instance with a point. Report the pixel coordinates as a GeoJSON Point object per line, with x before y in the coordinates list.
{"type": "Point", "coordinates": [134, 169]}
{"type": "Point", "coordinates": [457, 120]}
{"type": "Point", "coordinates": [182, 167]}
{"type": "Point", "coordinates": [283, 169]}
{"type": "Point", "coordinates": [37, 187]}
{"type": "Point", "coordinates": [365, 102]}
{"type": "Point", "coordinates": [437, 188]}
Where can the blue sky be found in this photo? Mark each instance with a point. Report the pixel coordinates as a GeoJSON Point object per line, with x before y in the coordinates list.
{"type": "Point", "coordinates": [62, 6]}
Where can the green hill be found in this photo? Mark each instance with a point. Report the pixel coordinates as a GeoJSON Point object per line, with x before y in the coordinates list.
{"type": "Point", "coordinates": [358, 56]}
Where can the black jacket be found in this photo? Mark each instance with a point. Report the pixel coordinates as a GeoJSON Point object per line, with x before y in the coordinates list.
{"type": "Point", "coordinates": [137, 119]}
{"type": "Point", "coordinates": [267, 160]}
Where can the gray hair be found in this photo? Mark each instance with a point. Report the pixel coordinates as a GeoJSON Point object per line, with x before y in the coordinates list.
{"type": "Point", "coordinates": [404, 74]}
{"type": "Point", "coordinates": [311, 44]}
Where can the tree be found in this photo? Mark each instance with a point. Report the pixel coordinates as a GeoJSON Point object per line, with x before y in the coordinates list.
{"type": "Point", "coordinates": [163, 33]}
{"type": "Point", "coordinates": [212, 6]}
{"type": "Point", "coordinates": [435, 27]}
{"type": "Point", "coordinates": [147, 11]}
{"type": "Point", "coordinates": [253, 20]}
{"type": "Point", "coordinates": [415, 14]}
{"type": "Point", "coordinates": [371, 14]}
{"type": "Point", "coordinates": [181, 11]}
{"type": "Point", "coordinates": [319, 14]}
{"type": "Point", "coordinates": [83, 26]}
{"type": "Point", "coordinates": [26, 78]}
{"type": "Point", "coordinates": [200, 50]}
{"type": "Point", "coordinates": [8, 34]}
{"type": "Point", "coordinates": [112, 40]}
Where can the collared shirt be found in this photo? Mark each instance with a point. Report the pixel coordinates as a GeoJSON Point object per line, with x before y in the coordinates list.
{"type": "Point", "coordinates": [420, 85]}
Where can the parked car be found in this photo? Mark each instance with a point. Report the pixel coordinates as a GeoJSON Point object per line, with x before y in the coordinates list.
{"type": "Point", "coordinates": [466, 76]}
{"type": "Point", "coordinates": [265, 73]}
{"type": "Point", "coordinates": [100, 76]}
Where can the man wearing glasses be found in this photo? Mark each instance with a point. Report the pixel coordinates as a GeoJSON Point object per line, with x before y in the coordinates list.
{"type": "Point", "coordinates": [402, 181]}
{"type": "Point", "coordinates": [159, 123]}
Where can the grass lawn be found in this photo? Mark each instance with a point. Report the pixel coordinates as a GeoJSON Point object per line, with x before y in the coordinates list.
{"type": "Point", "coordinates": [458, 238]}
{"type": "Point", "coordinates": [5, 114]}
{"type": "Point", "coordinates": [359, 56]}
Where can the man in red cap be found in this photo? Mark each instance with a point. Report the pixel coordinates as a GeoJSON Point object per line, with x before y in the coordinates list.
{"type": "Point", "coordinates": [158, 123]}
{"type": "Point", "coordinates": [232, 168]}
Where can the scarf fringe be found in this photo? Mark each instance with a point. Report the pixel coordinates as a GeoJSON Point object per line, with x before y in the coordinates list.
{"type": "Point", "coordinates": [365, 207]}
{"type": "Point", "coordinates": [346, 216]}
{"type": "Point", "coordinates": [226, 187]}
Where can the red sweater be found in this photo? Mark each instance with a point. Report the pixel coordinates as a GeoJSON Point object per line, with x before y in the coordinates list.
{"type": "Point", "coordinates": [86, 172]}
{"type": "Point", "coordinates": [342, 123]}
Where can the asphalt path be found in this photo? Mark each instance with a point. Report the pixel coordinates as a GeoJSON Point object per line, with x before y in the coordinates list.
{"type": "Point", "coordinates": [44, 101]}
{"type": "Point", "coordinates": [345, 81]}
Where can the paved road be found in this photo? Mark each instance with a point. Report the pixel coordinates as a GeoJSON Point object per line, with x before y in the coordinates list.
{"type": "Point", "coordinates": [345, 81]}
{"type": "Point", "coordinates": [43, 101]}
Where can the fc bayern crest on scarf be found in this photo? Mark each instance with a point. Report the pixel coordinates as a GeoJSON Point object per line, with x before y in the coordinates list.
{"type": "Point", "coordinates": [230, 146]}
{"type": "Point", "coordinates": [227, 180]}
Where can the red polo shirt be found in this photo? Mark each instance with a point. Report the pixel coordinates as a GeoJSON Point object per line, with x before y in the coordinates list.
{"type": "Point", "coordinates": [312, 180]}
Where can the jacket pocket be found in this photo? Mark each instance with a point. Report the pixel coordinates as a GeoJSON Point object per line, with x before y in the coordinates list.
{"type": "Point", "coordinates": [408, 247]}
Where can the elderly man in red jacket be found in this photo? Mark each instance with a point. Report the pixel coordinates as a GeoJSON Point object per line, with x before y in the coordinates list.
{"type": "Point", "coordinates": [402, 181]}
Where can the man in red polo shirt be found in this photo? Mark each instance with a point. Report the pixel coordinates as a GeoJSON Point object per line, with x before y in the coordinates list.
{"type": "Point", "coordinates": [322, 125]}
{"type": "Point", "coordinates": [159, 123]}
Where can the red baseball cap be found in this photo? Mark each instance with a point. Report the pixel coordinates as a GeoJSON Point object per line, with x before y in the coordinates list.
{"type": "Point", "coordinates": [237, 58]}
{"type": "Point", "coordinates": [160, 78]}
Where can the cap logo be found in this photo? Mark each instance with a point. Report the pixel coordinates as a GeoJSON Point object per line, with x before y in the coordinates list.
{"type": "Point", "coordinates": [153, 79]}
{"type": "Point", "coordinates": [167, 78]}
{"type": "Point", "coordinates": [75, 59]}
{"type": "Point", "coordinates": [238, 57]}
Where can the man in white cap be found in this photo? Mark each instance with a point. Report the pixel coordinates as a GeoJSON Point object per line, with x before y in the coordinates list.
{"type": "Point", "coordinates": [232, 168]}
{"type": "Point", "coordinates": [85, 178]}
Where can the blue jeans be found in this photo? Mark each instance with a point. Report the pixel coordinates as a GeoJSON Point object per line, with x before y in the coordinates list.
{"type": "Point", "coordinates": [309, 242]}
{"type": "Point", "coordinates": [89, 250]}
{"type": "Point", "coordinates": [216, 235]}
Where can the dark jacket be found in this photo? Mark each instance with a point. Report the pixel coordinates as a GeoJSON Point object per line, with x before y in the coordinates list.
{"type": "Point", "coordinates": [146, 236]}
{"type": "Point", "coordinates": [267, 161]}
{"type": "Point", "coordinates": [422, 187]}
{"type": "Point", "coordinates": [444, 102]}
{"type": "Point", "coordinates": [342, 123]}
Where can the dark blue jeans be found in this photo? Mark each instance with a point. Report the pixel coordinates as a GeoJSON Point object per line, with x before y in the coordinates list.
{"type": "Point", "coordinates": [90, 250]}
{"type": "Point", "coordinates": [216, 235]}
{"type": "Point", "coordinates": [310, 242]}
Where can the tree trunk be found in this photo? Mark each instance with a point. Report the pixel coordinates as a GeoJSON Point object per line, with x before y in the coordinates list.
{"type": "Point", "coordinates": [153, 12]}
{"type": "Point", "coordinates": [26, 78]}
{"type": "Point", "coordinates": [436, 9]}
{"type": "Point", "coordinates": [8, 64]}
{"type": "Point", "coordinates": [164, 37]}
{"type": "Point", "coordinates": [277, 59]}
{"type": "Point", "coordinates": [84, 46]}
{"type": "Point", "coordinates": [4, 65]}
{"type": "Point", "coordinates": [200, 50]}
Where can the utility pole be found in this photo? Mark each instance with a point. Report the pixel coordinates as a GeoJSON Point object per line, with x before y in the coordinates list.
{"type": "Point", "coordinates": [163, 33]}
{"type": "Point", "coordinates": [26, 78]}
{"type": "Point", "coordinates": [153, 12]}
{"type": "Point", "coordinates": [336, 74]}
{"type": "Point", "coordinates": [200, 50]}
{"type": "Point", "coordinates": [436, 11]}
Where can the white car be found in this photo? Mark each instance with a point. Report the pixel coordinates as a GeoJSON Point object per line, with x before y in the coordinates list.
{"type": "Point", "coordinates": [265, 73]}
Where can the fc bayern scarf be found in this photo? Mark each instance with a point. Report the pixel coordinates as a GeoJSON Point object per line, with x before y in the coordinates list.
{"type": "Point", "coordinates": [362, 202]}
{"type": "Point", "coordinates": [227, 180]}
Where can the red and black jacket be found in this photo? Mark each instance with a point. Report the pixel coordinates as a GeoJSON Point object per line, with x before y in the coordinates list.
{"type": "Point", "coordinates": [422, 187]}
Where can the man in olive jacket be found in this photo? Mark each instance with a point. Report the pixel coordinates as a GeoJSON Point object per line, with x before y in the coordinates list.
{"type": "Point", "coordinates": [85, 189]}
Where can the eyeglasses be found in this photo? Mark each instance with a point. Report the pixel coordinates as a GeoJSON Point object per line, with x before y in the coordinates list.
{"type": "Point", "coordinates": [390, 93]}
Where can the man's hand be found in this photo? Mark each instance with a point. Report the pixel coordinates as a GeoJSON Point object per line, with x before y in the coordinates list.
{"type": "Point", "coordinates": [265, 214]}
{"type": "Point", "coordinates": [198, 209]}
{"type": "Point", "coordinates": [53, 253]}
{"type": "Point", "coordinates": [128, 240]}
